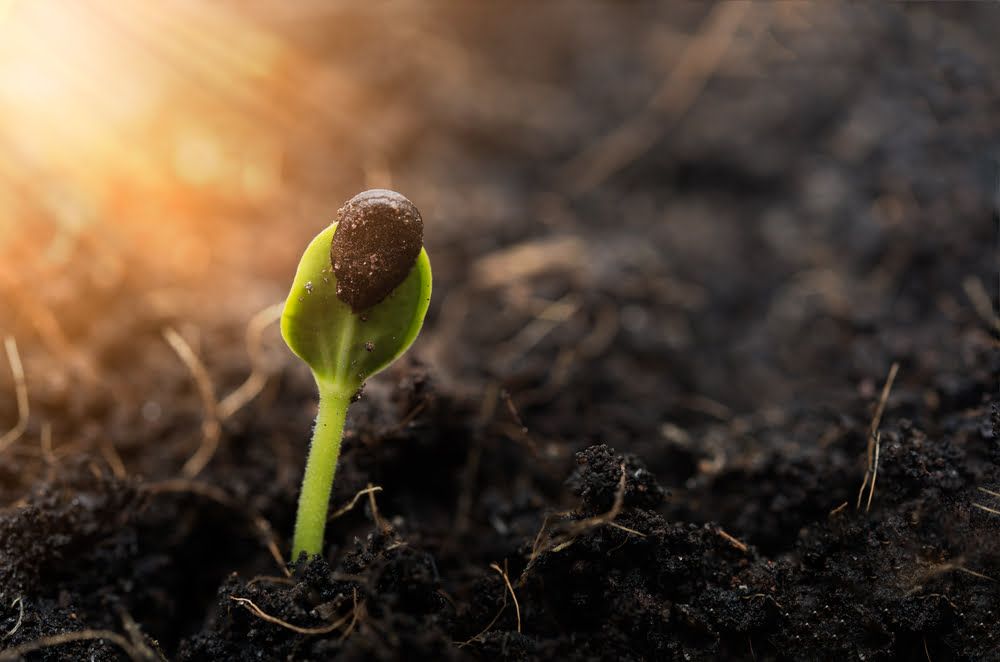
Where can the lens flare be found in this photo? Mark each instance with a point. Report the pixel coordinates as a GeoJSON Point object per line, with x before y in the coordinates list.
{"type": "Point", "coordinates": [114, 115]}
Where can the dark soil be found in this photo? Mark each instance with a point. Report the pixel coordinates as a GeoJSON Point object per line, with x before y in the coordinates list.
{"type": "Point", "coordinates": [644, 391]}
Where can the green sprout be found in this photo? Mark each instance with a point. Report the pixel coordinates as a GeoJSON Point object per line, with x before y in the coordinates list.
{"type": "Point", "coordinates": [357, 304]}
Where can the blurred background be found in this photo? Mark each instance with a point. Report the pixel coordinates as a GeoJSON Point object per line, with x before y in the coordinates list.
{"type": "Point", "coordinates": [642, 216]}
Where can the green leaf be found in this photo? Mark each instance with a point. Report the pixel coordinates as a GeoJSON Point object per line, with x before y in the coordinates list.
{"type": "Point", "coordinates": [342, 347]}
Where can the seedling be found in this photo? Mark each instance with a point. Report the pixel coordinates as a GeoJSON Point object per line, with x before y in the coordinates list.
{"type": "Point", "coordinates": [357, 304]}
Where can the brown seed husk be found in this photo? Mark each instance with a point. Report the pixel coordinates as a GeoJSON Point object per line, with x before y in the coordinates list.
{"type": "Point", "coordinates": [379, 237]}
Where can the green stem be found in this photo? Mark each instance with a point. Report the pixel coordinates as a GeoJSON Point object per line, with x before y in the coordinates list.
{"type": "Point", "coordinates": [314, 501]}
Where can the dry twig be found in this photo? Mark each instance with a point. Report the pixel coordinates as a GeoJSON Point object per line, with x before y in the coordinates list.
{"type": "Point", "coordinates": [735, 542]}
{"type": "Point", "coordinates": [353, 502]}
{"type": "Point", "coordinates": [873, 438]}
{"type": "Point", "coordinates": [532, 333]}
{"type": "Point", "coordinates": [21, 393]}
{"type": "Point", "coordinates": [45, 444]}
{"type": "Point", "coordinates": [838, 509]}
{"type": "Point", "coordinates": [603, 333]}
{"type": "Point", "coordinates": [489, 625]}
{"type": "Point", "coordinates": [620, 527]}
{"type": "Point", "coordinates": [18, 652]}
{"type": "Point", "coordinates": [255, 383]}
{"type": "Point", "coordinates": [263, 615]}
{"type": "Point", "coordinates": [676, 95]}
{"type": "Point", "coordinates": [261, 525]}
{"type": "Point", "coordinates": [523, 261]}
{"type": "Point", "coordinates": [271, 579]}
{"type": "Point", "coordinates": [382, 525]}
{"type": "Point", "coordinates": [512, 409]}
{"type": "Point", "coordinates": [463, 507]}
{"type": "Point", "coordinates": [47, 326]}
{"type": "Point", "coordinates": [943, 568]}
{"type": "Point", "coordinates": [575, 529]}
{"type": "Point", "coordinates": [972, 573]}
{"type": "Point", "coordinates": [19, 602]}
{"type": "Point", "coordinates": [111, 456]}
{"type": "Point", "coordinates": [210, 427]}
{"type": "Point", "coordinates": [980, 298]}
{"type": "Point", "coordinates": [992, 511]}
{"type": "Point", "coordinates": [355, 616]}
{"type": "Point", "coordinates": [871, 492]}
{"type": "Point", "coordinates": [506, 580]}
{"type": "Point", "coordinates": [139, 641]}
{"type": "Point", "coordinates": [981, 506]}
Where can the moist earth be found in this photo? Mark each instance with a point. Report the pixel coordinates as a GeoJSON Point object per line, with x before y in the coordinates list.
{"type": "Point", "coordinates": [638, 421]}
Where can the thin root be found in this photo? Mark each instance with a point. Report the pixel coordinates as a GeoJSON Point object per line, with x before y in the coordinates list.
{"type": "Point", "coordinates": [974, 573]}
{"type": "Point", "coordinates": [134, 632]}
{"type": "Point", "coordinates": [705, 405]}
{"type": "Point", "coordinates": [526, 260]}
{"type": "Point", "coordinates": [271, 542]}
{"type": "Point", "coordinates": [512, 409]}
{"type": "Point", "coordinates": [21, 393]}
{"type": "Point", "coordinates": [111, 456]}
{"type": "Point", "coordinates": [575, 529]}
{"type": "Point", "coordinates": [257, 380]}
{"type": "Point", "coordinates": [554, 314]}
{"type": "Point", "coordinates": [941, 569]}
{"type": "Point", "coordinates": [355, 617]}
{"type": "Point", "coordinates": [992, 511]}
{"type": "Point", "coordinates": [735, 542]}
{"type": "Point", "coordinates": [602, 334]}
{"type": "Point", "coordinates": [19, 601]}
{"type": "Point", "coordinates": [838, 509]}
{"type": "Point", "coordinates": [382, 525]}
{"type": "Point", "coordinates": [871, 466]}
{"type": "Point", "coordinates": [45, 444]}
{"type": "Point", "coordinates": [181, 486]}
{"type": "Point", "coordinates": [210, 428]}
{"type": "Point", "coordinates": [616, 525]}
{"type": "Point", "coordinates": [536, 547]}
{"type": "Point", "coordinates": [489, 625]}
{"type": "Point", "coordinates": [353, 502]}
{"type": "Point", "coordinates": [406, 420]}
{"type": "Point", "coordinates": [463, 507]}
{"type": "Point", "coordinates": [558, 377]}
{"type": "Point", "coordinates": [871, 492]}
{"type": "Point", "coordinates": [45, 447]}
{"type": "Point", "coordinates": [506, 580]}
{"type": "Point", "coordinates": [697, 63]}
{"type": "Point", "coordinates": [605, 518]}
{"type": "Point", "coordinates": [263, 615]}
{"type": "Point", "coordinates": [980, 298]}
{"type": "Point", "coordinates": [18, 652]}
{"type": "Point", "coordinates": [271, 579]}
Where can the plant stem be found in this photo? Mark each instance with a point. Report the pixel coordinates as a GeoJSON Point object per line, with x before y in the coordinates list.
{"type": "Point", "coordinates": [314, 500]}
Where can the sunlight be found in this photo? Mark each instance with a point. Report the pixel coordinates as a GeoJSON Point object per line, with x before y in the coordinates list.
{"type": "Point", "coordinates": [103, 104]}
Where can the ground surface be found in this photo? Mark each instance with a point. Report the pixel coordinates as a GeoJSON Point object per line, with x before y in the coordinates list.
{"type": "Point", "coordinates": [670, 284]}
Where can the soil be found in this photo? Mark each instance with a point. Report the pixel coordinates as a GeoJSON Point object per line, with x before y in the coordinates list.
{"type": "Point", "coordinates": [637, 421]}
